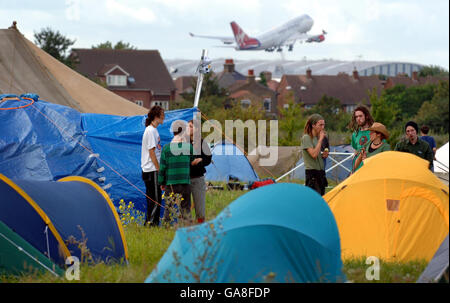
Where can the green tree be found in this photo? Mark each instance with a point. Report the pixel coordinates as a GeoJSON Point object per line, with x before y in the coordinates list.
{"type": "Point", "coordinates": [332, 111]}
{"type": "Point", "coordinates": [409, 100]}
{"type": "Point", "coordinates": [262, 78]}
{"type": "Point", "coordinates": [433, 70]}
{"type": "Point", "coordinates": [55, 44]}
{"type": "Point", "coordinates": [382, 111]}
{"type": "Point", "coordinates": [435, 113]}
{"type": "Point", "coordinates": [291, 122]}
{"type": "Point", "coordinates": [118, 45]}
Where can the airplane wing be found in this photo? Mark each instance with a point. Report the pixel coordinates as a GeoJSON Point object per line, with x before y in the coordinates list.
{"type": "Point", "coordinates": [225, 40]}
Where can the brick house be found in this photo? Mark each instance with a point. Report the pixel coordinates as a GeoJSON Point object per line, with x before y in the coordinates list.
{"type": "Point", "coordinates": [229, 75]}
{"type": "Point", "coordinates": [309, 89]}
{"type": "Point", "coordinates": [184, 84]}
{"type": "Point", "coordinates": [136, 75]}
{"type": "Point", "coordinates": [249, 91]}
{"type": "Point", "coordinates": [414, 80]}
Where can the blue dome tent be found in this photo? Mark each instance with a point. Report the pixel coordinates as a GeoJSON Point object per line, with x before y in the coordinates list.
{"type": "Point", "coordinates": [55, 217]}
{"type": "Point", "coordinates": [229, 162]}
{"type": "Point", "coordinates": [282, 231]}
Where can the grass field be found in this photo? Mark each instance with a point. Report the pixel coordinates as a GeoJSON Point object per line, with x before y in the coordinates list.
{"type": "Point", "coordinates": [147, 245]}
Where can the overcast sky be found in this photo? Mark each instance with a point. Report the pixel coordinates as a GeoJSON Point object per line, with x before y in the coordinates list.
{"type": "Point", "coordinates": [378, 30]}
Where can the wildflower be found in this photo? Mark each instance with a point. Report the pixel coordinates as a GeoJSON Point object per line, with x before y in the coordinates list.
{"type": "Point", "coordinates": [121, 207]}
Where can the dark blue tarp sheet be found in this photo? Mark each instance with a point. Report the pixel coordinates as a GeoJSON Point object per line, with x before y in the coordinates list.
{"type": "Point", "coordinates": [46, 141]}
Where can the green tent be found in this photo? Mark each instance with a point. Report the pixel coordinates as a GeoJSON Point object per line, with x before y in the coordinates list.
{"type": "Point", "coordinates": [18, 256]}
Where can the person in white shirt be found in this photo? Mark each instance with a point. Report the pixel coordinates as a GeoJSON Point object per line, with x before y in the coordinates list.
{"type": "Point", "coordinates": [150, 157]}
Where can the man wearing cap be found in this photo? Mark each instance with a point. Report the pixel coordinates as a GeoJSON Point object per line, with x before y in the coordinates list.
{"type": "Point", "coordinates": [414, 145]}
{"type": "Point", "coordinates": [376, 145]}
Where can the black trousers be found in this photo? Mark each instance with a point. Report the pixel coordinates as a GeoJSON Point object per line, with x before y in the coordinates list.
{"type": "Point", "coordinates": [185, 191]}
{"type": "Point", "coordinates": [153, 191]}
{"type": "Point", "coordinates": [316, 179]}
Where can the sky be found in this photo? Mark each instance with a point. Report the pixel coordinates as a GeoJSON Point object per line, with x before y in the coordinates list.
{"type": "Point", "coordinates": [373, 30]}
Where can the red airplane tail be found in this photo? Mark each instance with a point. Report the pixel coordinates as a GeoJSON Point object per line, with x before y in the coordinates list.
{"type": "Point", "coordinates": [242, 39]}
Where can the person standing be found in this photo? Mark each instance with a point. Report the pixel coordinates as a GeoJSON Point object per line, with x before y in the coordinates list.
{"type": "Point", "coordinates": [150, 157]}
{"type": "Point", "coordinates": [198, 185]}
{"type": "Point", "coordinates": [174, 173]}
{"type": "Point", "coordinates": [429, 139]}
{"type": "Point", "coordinates": [361, 121]}
{"type": "Point", "coordinates": [377, 143]}
{"type": "Point", "coordinates": [414, 145]}
{"type": "Point", "coordinates": [311, 143]}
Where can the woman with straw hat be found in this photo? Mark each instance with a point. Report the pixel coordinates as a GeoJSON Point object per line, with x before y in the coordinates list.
{"type": "Point", "coordinates": [377, 144]}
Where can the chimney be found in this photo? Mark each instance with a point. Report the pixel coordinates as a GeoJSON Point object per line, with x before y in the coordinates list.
{"type": "Point", "coordinates": [268, 76]}
{"type": "Point", "coordinates": [228, 67]}
{"type": "Point", "coordinates": [308, 73]}
{"type": "Point", "coordinates": [251, 76]}
{"type": "Point", "coordinates": [415, 76]}
{"type": "Point", "coordinates": [355, 74]}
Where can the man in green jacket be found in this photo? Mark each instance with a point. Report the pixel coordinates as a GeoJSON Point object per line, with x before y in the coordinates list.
{"type": "Point", "coordinates": [414, 145]}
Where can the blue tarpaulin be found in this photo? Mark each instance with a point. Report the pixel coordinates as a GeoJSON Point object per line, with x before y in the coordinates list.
{"type": "Point", "coordinates": [45, 142]}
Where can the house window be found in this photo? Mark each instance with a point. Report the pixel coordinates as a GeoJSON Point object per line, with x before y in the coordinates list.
{"type": "Point", "coordinates": [267, 104]}
{"type": "Point", "coordinates": [163, 104]}
{"type": "Point", "coordinates": [245, 103]}
{"type": "Point", "coordinates": [116, 80]}
{"type": "Point", "coordinates": [139, 102]}
{"type": "Point", "coordinates": [350, 108]}
{"type": "Point", "coordinates": [309, 106]}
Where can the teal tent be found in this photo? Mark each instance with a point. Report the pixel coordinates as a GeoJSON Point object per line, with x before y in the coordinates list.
{"type": "Point", "coordinates": [281, 232]}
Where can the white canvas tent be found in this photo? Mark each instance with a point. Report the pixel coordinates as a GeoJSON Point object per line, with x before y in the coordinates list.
{"type": "Point", "coordinates": [441, 166]}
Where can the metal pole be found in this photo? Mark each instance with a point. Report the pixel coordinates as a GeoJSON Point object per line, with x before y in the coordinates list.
{"type": "Point", "coordinates": [199, 81]}
{"type": "Point", "coordinates": [300, 165]}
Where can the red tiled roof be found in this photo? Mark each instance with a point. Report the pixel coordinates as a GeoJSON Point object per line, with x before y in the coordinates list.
{"type": "Point", "coordinates": [145, 66]}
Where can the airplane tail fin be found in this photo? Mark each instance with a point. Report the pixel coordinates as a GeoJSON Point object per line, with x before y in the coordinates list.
{"type": "Point", "coordinates": [242, 39]}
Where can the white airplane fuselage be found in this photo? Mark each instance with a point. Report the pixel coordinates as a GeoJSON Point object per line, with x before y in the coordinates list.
{"type": "Point", "coordinates": [277, 36]}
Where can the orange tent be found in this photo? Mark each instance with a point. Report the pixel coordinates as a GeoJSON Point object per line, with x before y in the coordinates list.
{"type": "Point", "coordinates": [393, 208]}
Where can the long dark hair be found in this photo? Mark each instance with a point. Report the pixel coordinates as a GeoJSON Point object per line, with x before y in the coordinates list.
{"type": "Point", "coordinates": [155, 111]}
{"type": "Point", "coordinates": [353, 125]}
{"type": "Point", "coordinates": [313, 119]}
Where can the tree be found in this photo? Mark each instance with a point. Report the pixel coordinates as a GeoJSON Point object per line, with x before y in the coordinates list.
{"type": "Point", "coordinates": [409, 100]}
{"type": "Point", "coordinates": [382, 111]}
{"type": "Point", "coordinates": [263, 79]}
{"type": "Point", "coordinates": [331, 110]}
{"type": "Point", "coordinates": [55, 44]}
{"type": "Point", "coordinates": [433, 70]}
{"type": "Point", "coordinates": [291, 122]}
{"type": "Point", "coordinates": [435, 113]}
{"type": "Point", "coordinates": [119, 45]}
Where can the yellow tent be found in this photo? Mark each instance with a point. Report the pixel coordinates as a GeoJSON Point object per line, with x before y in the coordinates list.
{"type": "Point", "coordinates": [393, 208]}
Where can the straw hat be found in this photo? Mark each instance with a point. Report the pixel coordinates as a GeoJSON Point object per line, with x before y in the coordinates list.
{"type": "Point", "coordinates": [378, 127]}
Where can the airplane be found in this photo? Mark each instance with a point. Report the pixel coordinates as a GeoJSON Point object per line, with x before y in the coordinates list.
{"type": "Point", "coordinates": [275, 39]}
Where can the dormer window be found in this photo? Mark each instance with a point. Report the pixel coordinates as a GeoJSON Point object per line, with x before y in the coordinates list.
{"type": "Point", "coordinates": [116, 80]}
{"type": "Point", "coordinates": [116, 75]}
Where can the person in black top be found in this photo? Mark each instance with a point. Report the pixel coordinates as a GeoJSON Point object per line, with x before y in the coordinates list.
{"type": "Point", "coordinates": [198, 185]}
